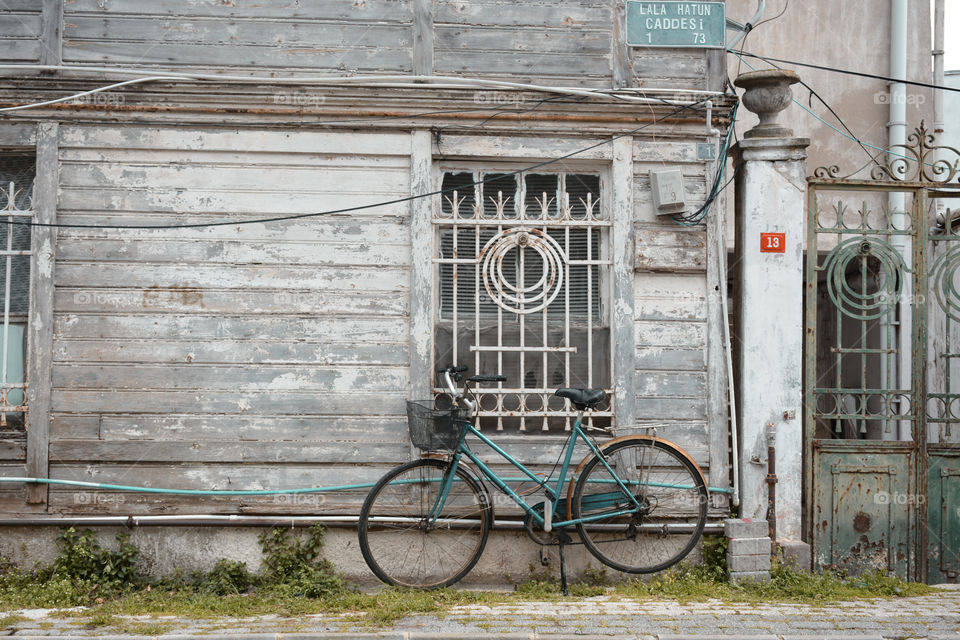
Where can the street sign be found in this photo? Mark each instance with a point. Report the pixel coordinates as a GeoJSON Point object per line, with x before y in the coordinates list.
{"type": "Point", "coordinates": [676, 24]}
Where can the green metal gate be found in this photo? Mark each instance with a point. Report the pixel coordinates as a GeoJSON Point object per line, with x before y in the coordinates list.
{"type": "Point", "coordinates": [882, 365]}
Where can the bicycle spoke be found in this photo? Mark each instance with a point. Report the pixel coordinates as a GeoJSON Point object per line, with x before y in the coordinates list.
{"type": "Point", "coordinates": [426, 555]}
{"type": "Point", "coordinates": [672, 509]}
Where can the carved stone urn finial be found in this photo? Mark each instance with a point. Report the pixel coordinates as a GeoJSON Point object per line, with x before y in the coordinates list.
{"type": "Point", "coordinates": [767, 93]}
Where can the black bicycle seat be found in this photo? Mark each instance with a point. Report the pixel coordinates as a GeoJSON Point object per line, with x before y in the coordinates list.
{"type": "Point", "coordinates": [582, 398]}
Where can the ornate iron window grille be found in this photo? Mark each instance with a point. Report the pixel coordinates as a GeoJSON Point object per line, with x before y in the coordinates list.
{"type": "Point", "coordinates": [523, 271]}
{"type": "Point", "coordinates": [16, 195]}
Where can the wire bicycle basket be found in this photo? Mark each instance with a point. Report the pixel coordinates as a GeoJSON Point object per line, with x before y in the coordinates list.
{"type": "Point", "coordinates": [436, 430]}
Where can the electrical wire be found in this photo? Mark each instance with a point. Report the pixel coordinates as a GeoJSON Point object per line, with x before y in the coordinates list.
{"type": "Point", "coordinates": [690, 219]}
{"type": "Point", "coordinates": [485, 121]}
{"type": "Point", "coordinates": [846, 134]}
{"type": "Point", "coordinates": [813, 93]}
{"type": "Point", "coordinates": [406, 82]}
{"type": "Point", "coordinates": [852, 135]}
{"type": "Point", "coordinates": [786, 3]}
{"type": "Point", "coordinates": [496, 111]}
{"type": "Point", "coordinates": [226, 223]}
{"type": "Point", "coordinates": [850, 72]}
{"type": "Point", "coordinates": [83, 94]}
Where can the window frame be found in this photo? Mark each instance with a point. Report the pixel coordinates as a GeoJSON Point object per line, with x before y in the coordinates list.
{"type": "Point", "coordinates": [21, 318]}
{"type": "Point", "coordinates": [603, 321]}
{"type": "Point", "coordinates": [42, 140]}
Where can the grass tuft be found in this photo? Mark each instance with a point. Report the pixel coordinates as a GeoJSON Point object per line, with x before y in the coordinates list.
{"type": "Point", "coordinates": [297, 581]}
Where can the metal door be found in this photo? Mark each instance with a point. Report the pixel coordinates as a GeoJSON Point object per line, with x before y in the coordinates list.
{"type": "Point", "coordinates": [881, 377]}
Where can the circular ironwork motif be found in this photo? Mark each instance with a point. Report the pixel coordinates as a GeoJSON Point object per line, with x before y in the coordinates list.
{"type": "Point", "coordinates": [513, 296]}
{"type": "Point", "coordinates": [880, 273]}
{"type": "Point", "coordinates": [944, 281]}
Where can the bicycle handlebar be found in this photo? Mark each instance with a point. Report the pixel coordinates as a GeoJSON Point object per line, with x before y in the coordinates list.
{"type": "Point", "coordinates": [487, 379]}
{"type": "Point", "coordinates": [452, 374]}
{"type": "Point", "coordinates": [461, 369]}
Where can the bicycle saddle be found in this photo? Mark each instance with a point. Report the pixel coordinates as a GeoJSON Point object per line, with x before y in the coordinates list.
{"type": "Point", "coordinates": [582, 398]}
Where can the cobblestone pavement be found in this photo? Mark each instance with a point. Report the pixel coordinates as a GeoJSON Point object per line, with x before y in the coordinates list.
{"type": "Point", "coordinates": [933, 616]}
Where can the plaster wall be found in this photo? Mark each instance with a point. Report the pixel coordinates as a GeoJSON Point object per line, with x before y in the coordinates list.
{"type": "Point", "coordinates": [510, 557]}
{"type": "Point", "coordinates": [854, 35]}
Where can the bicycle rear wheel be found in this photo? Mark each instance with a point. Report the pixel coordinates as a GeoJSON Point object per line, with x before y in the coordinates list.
{"type": "Point", "coordinates": [673, 505]}
{"type": "Point", "coordinates": [399, 542]}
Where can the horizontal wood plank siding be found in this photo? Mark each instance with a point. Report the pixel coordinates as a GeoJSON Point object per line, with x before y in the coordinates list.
{"type": "Point", "coordinates": [276, 354]}
{"type": "Point", "coordinates": [559, 42]}
{"type": "Point", "coordinates": [670, 68]}
{"type": "Point", "coordinates": [21, 32]}
{"type": "Point", "coordinates": [547, 42]}
{"type": "Point", "coordinates": [670, 248]}
{"type": "Point", "coordinates": [274, 344]}
{"type": "Point", "coordinates": [670, 297]}
{"type": "Point", "coordinates": [243, 37]}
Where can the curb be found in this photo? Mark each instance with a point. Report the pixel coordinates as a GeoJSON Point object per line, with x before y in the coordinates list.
{"type": "Point", "coordinates": [413, 635]}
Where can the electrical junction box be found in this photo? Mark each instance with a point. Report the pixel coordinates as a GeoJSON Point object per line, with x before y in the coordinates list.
{"type": "Point", "coordinates": [667, 186]}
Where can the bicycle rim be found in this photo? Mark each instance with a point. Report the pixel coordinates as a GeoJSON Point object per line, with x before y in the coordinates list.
{"type": "Point", "coordinates": [399, 544]}
{"type": "Point", "coordinates": [673, 512]}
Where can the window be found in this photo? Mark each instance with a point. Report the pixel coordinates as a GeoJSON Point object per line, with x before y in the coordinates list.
{"type": "Point", "coordinates": [522, 267]}
{"type": "Point", "coordinates": [16, 194]}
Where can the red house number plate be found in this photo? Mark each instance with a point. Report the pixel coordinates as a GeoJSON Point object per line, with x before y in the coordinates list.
{"type": "Point", "coordinates": [773, 243]}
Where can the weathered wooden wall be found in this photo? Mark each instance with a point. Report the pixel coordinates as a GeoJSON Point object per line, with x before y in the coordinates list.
{"type": "Point", "coordinates": [251, 355]}
{"type": "Point", "coordinates": [243, 36]}
{"type": "Point", "coordinates": [276, 355]}
{"type": "Point", "coordinates": [553, 42]}
{"type": "Point", "coordinates": [21, 30]}
{"type": "Point", "coordinates": [670, 298]}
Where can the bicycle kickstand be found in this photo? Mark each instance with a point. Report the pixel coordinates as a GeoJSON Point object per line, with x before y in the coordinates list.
{"type": "Point", "coordinates": [563, 570]}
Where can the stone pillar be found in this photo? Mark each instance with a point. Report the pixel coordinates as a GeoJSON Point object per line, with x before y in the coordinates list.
{"type": "Point", "coordinates": [770, 210]}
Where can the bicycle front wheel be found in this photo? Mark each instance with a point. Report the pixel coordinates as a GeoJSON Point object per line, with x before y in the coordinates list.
{"type": "Point", "coordinates": [673, 505]}
{"type": "Point", "coordinates": [404, 546]}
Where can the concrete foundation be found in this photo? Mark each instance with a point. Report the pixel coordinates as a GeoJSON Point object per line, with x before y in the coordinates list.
{"type": "Point", "coordinates": [796, 553]}
{"type": "Point", "coordinates": [510, 557]}
{"type": "Point", "coordinates": [748, 549]}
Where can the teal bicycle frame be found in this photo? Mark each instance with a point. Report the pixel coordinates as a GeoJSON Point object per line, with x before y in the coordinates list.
{"type": "Point", "coordinates": [552, 492]}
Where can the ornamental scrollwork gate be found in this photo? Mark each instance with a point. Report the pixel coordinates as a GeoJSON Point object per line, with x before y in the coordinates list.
{"type": "Point", "coordinates": [882, 364]}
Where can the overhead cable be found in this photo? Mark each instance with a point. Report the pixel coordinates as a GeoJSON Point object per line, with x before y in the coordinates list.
{"type": "Point", "coordinates": [850, 72]}
{"type": "Point", "coordinates": [638, 96]}
{"type": "Point", "coordinates": [227, 223]}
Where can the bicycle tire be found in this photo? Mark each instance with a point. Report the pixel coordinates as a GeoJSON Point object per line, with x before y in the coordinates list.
{"type": "Point", "coordinates": [402, 548]}
{"type": "Point", "coordinates": [671, 489]}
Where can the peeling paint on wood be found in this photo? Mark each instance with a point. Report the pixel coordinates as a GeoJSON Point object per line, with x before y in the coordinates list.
{"type": "Point", "coordinates": [43, 241]}
{"type": "Point", "coordinates": [21, 33]}
{"type": "Point", "coordinates": [670, 249]}
{"type": "Point", "coordinates": [281, 354]}
{"type": "Point", "coordinates": [623, 274]}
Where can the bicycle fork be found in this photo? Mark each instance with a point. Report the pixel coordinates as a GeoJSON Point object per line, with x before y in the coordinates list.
{"type": "Point", "coordinates": [448, 478]}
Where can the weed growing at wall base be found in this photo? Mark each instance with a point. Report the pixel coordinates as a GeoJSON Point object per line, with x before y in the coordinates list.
{"type": "Point", "coordinates": [87, 573]}
{"type": "Point", "coordinates": [296, 581]}
{"type": "Point", "coordinates": [83, 559]}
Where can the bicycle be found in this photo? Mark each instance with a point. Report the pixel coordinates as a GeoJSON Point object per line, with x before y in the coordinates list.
{"type": "Point", "coordinates": [638, 502]}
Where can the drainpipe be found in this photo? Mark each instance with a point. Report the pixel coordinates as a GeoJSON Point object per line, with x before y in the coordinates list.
{"type": "Point", "coordinates": [938, 80]}
{"type": "Point", "coordinates": [745, 28]}
{"type": "Point", "coordinates": [731, 381]}
{"type": "Point", "coordinates": [937, 321]}
{"type": "Point", "coordinates": [772, 486]}
{"type": "Point", "coordinates": [210, 520]}
{"type": "Point", "coordinates": [938, 75]}
{"type": "Point", "coordinates": [897, 132]}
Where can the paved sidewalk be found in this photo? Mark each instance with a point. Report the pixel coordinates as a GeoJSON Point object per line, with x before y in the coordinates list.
{"type": "Point", "coordinates": [935, 616]}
